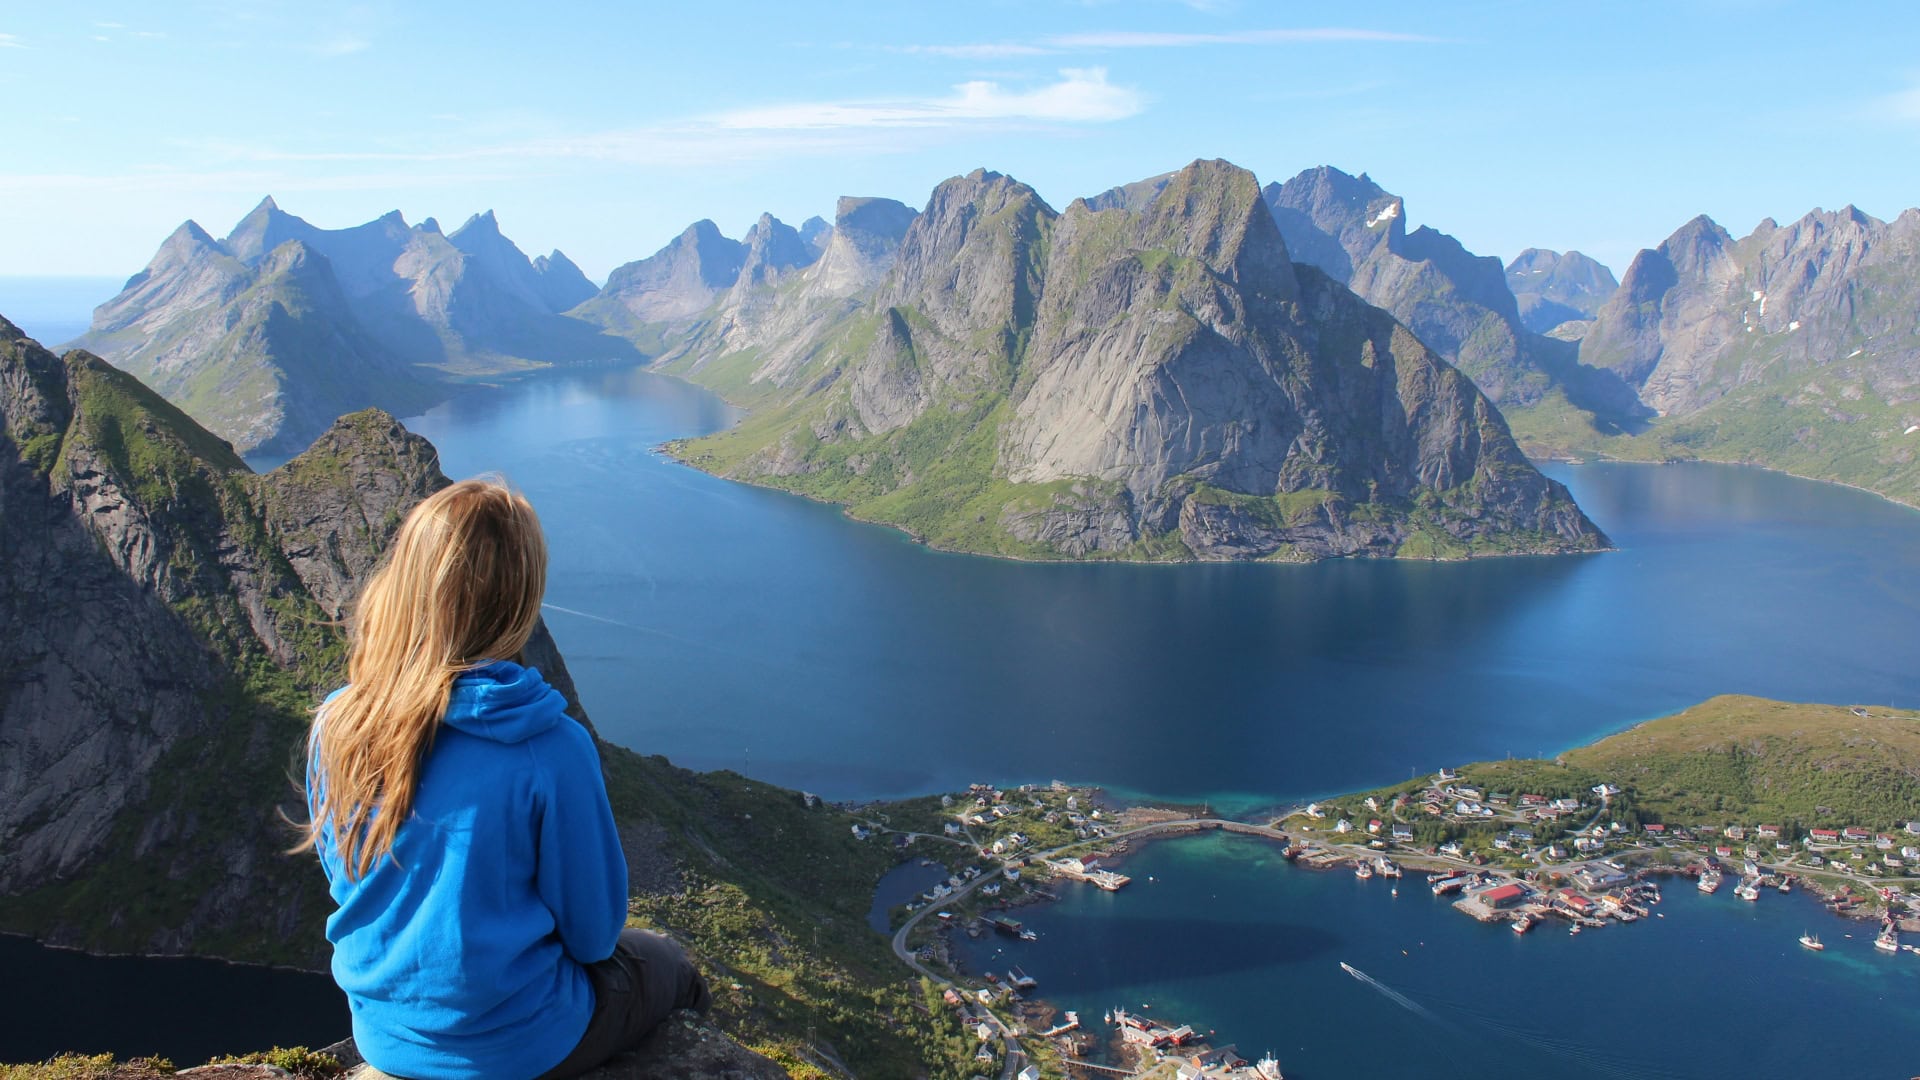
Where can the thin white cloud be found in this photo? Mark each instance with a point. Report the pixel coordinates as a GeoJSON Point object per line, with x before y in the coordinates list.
{"type": "Point", "coordinates": [1902, 105]}
{"type": "Point", "coordinates": [341, 45]}
{"type": "Point", "coordinates": [11, 41]}
{"type": "Point", "coordinates": [1083, 95]}
{"type": "Point", "coordinates": [1130, 39]}
{"type": "Point", "coordinates": [1137, 39]}
{"type": "Point", "coordinates": [102, 24]}
{"type": "Point", "coordinates": [984, 51]}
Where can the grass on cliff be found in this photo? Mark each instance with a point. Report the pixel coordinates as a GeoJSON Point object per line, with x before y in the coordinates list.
{"type": "Point", "coordinates": [1747, 759]}
{"type": "Point", "coordinates": [1728, 760]}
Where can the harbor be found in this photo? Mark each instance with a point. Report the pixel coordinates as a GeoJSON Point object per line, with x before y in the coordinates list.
{"type": "Point", "coordinates": [1529, 883]}
{"type": "Point", "coordinates": [1282, 987]}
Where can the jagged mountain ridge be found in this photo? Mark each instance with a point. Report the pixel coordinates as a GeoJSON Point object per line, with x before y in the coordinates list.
{"type": "Point", "coordinates": [170, 618]}
{"type": "Point", "coordinates": [1024, 382]}
{"type": "Point", "coordinates": [269, 334]}
{"type": "Point", "coordinates": [1554, 288]}
{"type": "Point", "coordinates": [1458, 303]}
{"type": "Point", "coordinates": [1793, 347]}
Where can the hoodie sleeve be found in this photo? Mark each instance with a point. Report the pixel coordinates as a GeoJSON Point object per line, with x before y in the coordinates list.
{"type": "Point", "coordinates": [582, 873]}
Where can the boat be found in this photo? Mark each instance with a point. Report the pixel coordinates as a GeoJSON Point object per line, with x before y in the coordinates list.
{"type": "Point", "coordinates": [1889, 939]}
{"type": "Point", "coordinates": [1811, 941]}
{"type": "Point", "coordinates": [1574, 930]}
{"type": "Point", "coordinates": [1710, 881]}
{"type": "Point", "coordinates": [1523, 924]}
{"type": "Point", "coordinates": [1029, 935]}
{"type": "Point", "coordinates": [1387, 867]}
{"type": "Point", "coordinates": [1748, 891]}
{"type": "Point", "coordinates": [1363, 870]}
{"type": "Point", "coordinates": [1786, 884]}
{"type": "Point", "coordinates": [1268, 1068]}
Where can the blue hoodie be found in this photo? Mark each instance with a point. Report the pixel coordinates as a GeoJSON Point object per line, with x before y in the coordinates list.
{"type": "Point", "coordinates": [462, 954]}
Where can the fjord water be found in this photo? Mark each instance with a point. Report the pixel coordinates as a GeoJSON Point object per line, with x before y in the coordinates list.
{"type": "Point", "coordinates": [729, 626]}
{"type": "Point", "coordinates": [1218, 931]}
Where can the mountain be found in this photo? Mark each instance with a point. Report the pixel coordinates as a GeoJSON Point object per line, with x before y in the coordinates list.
{"type": "Point", "coordinates": [1554, 288]}
{"type": "Point", "coordinates": [268, 335]}
{"type": "Point", "coordinates": [1157, 381]}
{"type": "Point", "coordinates": [169, 618]}
{"type": "Point", "coordinates": [1456, 302]}
{"type": "Point", "coordinates": [651, 298]}
{"type": "Point", "coordinates": [1794, 347]}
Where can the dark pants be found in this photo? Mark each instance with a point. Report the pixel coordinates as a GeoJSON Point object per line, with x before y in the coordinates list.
{"type": "Point", "coordinates": [646, 978]}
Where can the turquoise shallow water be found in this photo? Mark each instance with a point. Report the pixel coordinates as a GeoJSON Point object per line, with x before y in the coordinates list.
{"type": "Point", "coordinates": [1228, 937]}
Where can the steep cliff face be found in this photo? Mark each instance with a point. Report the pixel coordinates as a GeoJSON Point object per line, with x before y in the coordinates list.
{"type": "Point", "coordinates": [1794, 347]}
{"type": "Point", "coordinates": [170, 616]}
{"type": "Point", "coordinates": [266, 336]}
{"type": "Point", "coordinates": [1456, 302]}
{"type": "Point", "coordinates": [1156, 379]}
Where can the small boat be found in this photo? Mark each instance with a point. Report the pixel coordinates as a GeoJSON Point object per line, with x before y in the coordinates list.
{"type": "Point", "coordinates": [1574, 930]}
{"type": "Point", "coordinates": [1748, 891]}
{"type": "Point", "coordinates": [1363, 870]}
{"type": "Point", "coordinates": [1709, 882]}
{"type": "Point", "coordinates": [1268, 1068]}
{"type": "Point", "coordinates": [1889, 940]}
{"type": "Point", "coordinates": [1811, 941]}
{"type": "Point", "coordinates": [1029, 935]}
{"type": "Point", "coordinates": [1523, 924]}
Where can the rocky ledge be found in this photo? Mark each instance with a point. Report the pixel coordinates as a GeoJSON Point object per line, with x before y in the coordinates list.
{"type": "Point", "coordinates": [686, 1047]}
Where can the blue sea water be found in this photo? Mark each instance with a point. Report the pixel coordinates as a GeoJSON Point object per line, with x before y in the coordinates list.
{"type": "Point", "coordinates": [1220, 932]}
{"type": "Point", "coordinates": [732, 626]}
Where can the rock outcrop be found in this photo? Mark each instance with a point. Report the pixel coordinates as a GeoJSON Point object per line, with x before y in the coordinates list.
{"type": "Point", "coordinates": [1154, 379]}
{"type": "Point", "coordinates": [686, 1046]}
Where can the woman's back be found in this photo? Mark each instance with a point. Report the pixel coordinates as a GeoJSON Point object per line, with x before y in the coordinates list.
{"type": "Point", "coordinates": [464, 953]}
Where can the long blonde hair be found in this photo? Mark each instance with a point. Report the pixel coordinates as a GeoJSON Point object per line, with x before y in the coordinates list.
{"type": "Point", "coordinates": [460, 586]}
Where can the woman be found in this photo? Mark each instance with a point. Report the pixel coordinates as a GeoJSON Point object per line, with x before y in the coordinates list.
{"type": "Point", "coordinates": [463, 824]}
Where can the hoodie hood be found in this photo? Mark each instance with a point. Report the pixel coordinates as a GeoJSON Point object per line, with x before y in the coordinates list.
{"type": "Point", "coordinates": [504, 702]}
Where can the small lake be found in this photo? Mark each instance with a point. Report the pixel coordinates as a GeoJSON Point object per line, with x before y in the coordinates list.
{"type": "Point", "coordinates": [1228, 937]}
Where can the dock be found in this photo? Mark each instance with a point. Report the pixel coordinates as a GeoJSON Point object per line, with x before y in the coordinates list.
{"type": "Point", "coordinates": [1092, 875]}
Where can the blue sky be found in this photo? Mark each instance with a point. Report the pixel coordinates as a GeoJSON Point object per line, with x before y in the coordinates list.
{"type": "Point", "coordinates": [604, 129]}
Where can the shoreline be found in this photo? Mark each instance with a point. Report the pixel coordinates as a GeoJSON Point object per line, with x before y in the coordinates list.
{"type": "Point", "coordinates": [102, 955]}
{"type": "Point", "coordinates": [1628, 901]}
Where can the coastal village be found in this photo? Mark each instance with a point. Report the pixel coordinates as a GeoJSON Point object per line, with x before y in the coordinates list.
{"type": "Point", "coordinates": [1574, 861]}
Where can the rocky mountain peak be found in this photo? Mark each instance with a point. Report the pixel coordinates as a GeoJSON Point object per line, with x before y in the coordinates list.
{"type": "Point", "coordinates": [481, 225]}
{"type": "Point", "coordinates": [1554, 288]}
{"type": "Point", "coordinates": [1332, 220]}
{"type": "Point", "coordinates": [815, 231]}
{"type": "Point", "coordinates": [561, 282]}
{"type": "Point", "coordinates": [1134, 196]}
{"type": "Point", "coordinates": [1213, 211]}
{"type": "Point", "coordinates": [967, 259]}
{"type": "Point", "coordinates": [770, 248]}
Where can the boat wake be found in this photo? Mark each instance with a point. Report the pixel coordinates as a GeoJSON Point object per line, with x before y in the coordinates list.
{"type": "Point", "coordinates": [1393, 995]}
{"type": "Point", "coordinates": [1565, 1052]}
